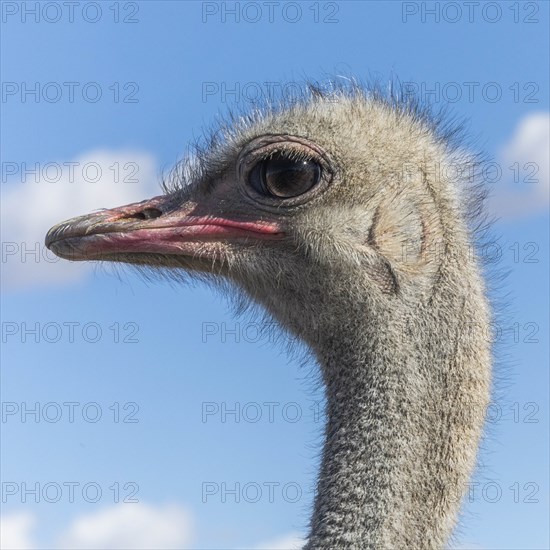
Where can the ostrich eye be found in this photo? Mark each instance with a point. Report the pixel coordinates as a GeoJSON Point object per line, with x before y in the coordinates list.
{"type": "Point", "coordinates": [283, 177]}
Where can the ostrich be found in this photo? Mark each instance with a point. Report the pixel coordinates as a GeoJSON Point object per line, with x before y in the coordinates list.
{"type": "Point", "coordinates": [335, 214]}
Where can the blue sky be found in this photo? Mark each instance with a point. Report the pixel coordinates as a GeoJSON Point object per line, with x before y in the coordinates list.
{"type": "Point", "coordinates": [165, 365]}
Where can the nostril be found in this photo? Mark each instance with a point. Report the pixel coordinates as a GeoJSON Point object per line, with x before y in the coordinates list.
{"type": "Point", "coordinates": [150, 213]}
{"type": "Point", "coordinates": [145, 214]}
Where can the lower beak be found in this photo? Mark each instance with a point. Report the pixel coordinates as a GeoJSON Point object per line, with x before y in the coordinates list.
{"type": "Point", "coordinates": [154, 226]}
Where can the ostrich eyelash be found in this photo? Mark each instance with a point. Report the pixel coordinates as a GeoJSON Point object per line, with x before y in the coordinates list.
{"type": "Point", "coordinates": [289, 153]}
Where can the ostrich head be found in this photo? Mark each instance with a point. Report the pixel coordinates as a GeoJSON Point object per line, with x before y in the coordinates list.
{"type": "Point", "coordinates": [328, 196]}
{"type": "Point", "coordinates": [335, 215]}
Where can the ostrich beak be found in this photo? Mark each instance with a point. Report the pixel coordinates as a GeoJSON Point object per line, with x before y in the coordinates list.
{"type": "Point", "coordinates": [154, 226]}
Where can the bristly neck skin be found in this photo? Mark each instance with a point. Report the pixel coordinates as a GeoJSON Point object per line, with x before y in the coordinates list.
{"type": "Point", "coordinates": [405, 411]}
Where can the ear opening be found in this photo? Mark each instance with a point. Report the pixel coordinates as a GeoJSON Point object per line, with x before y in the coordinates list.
{"type": "Point", "coordinates": [399, 231]}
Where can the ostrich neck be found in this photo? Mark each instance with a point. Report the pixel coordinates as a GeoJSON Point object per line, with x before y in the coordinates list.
{"type": "Point", "coordinates": [405, 407]}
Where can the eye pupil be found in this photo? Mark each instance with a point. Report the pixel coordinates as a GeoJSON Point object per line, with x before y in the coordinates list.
{"type": "Point", "coordinates": [282, 177]}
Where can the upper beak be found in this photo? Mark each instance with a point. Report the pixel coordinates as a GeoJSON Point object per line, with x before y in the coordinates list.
{"type": "Point", "coordinates": [154, 226]}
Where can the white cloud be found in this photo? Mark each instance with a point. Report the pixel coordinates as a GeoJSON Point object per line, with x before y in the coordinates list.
{"type": "Point", "coordinates": [524, 188]}
{"type": "Point", "coordinates": [292, 541]}
{"type": "Point", "coordinates": [130, 526]}
{"type": "Point", "coordinates": [124, 526]}
{"type": "Point", "coordinates": [33, 202]}
{"type": "Point", "coordinates": [15, 531]}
